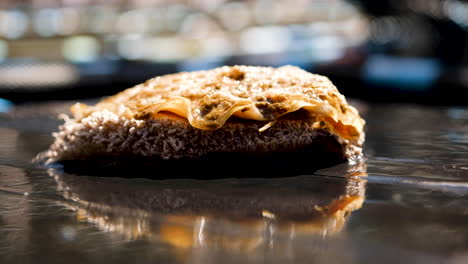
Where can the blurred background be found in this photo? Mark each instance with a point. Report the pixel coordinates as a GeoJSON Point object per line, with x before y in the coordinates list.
{"type": "Point", "coordinates": [381, 51]}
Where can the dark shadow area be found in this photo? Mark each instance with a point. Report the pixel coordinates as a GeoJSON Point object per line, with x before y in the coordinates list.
{"type": "Point", "coordinates": [212, 166]}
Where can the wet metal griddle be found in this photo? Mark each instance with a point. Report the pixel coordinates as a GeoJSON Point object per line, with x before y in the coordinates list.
{"type": "Point", "coordinates": [406, 204]}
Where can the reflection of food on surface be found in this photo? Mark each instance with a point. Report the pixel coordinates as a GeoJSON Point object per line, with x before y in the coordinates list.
{"type": "Point", "coordinates": [135, 224]}
{"type": "Point", "coordinates": [14, 209]}
{"type": "Point", "coordinates": [238, 215]}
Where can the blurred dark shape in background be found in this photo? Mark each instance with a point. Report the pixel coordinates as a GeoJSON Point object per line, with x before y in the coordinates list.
{"type": "Point", "coordinates": [381, 51]}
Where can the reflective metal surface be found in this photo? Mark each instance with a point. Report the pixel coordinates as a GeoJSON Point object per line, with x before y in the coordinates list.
{"type": "Point", "coordinates": [406, 204]}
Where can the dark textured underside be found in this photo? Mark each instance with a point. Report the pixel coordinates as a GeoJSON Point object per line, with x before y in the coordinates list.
{"type": "Point", "coordinates": [171, 137]}
{"type": "Point", "coordinates": [237, 147]}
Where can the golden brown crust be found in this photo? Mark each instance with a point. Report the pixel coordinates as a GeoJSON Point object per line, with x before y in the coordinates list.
{"type": "Point", "coordinates": [208, 98]}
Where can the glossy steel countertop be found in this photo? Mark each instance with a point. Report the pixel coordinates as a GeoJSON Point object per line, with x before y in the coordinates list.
{"type": "Point", "coordinates": [406, 203]}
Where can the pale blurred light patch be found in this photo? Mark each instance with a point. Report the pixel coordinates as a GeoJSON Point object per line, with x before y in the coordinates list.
{"type": "Point", "coordinates": [320, 28]}
{"type": "Point", "coordinates": [30, 75]}
{"type": "Point", "coordinates": [293, 11]}
{"type": "Point", "coordinates": [70, 18]}
{"type": "Point", "coordinates": [267, 12]}
{"type": "Point", "coordinates": [356, 29]}
{"type": "Point", "coordinates": [47, 22]}
{"type": "Point", "coordinates": [345, 10]}
{"type": "Point", "coordinates": [208, 6]}
{"type": "Point", "coordinates": [321, 10]}
{"type": "Point", "coordinates": [133, 21]}
{"type": "Point", "coordinates": [131, 46]}
{"type": "Point", "coordinates": [326, 48]}
{"type": "Point", "coordinates": [135, 4]}
{"type": "Point", "coordinates": [301, 37]}
{"type": "Point", "coordinates": [199, 24]}
{"type": "Point", "coordinates": [269, 39]}
{"type": "Point", "coordinates": [100, 19]}
{"type": "Point", "coordinates": [174, 16]}
{"type": "Point", "coordinates": [170, 49]}
{"type": "Point", "coordinates": [457, 11]}
{"type": "Point", "coordinates": [457, 113]}
{"type": "Point", "coordinates": [156, 20]}
{"type": "Point", "coordinates": [81, 49]}
{"type": "Point", "coordinates": [145, 29]}
{"type": "Point", "coordinates": [75, 2]}
{"type": "Point", "coordinates": [217, 46]}
{"type": "Point", "coordinates": [13, 23]}
{"type": "Point", "coordinates": [68, 233]}
{"type": "Point", "coordinates": [238, 10]}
